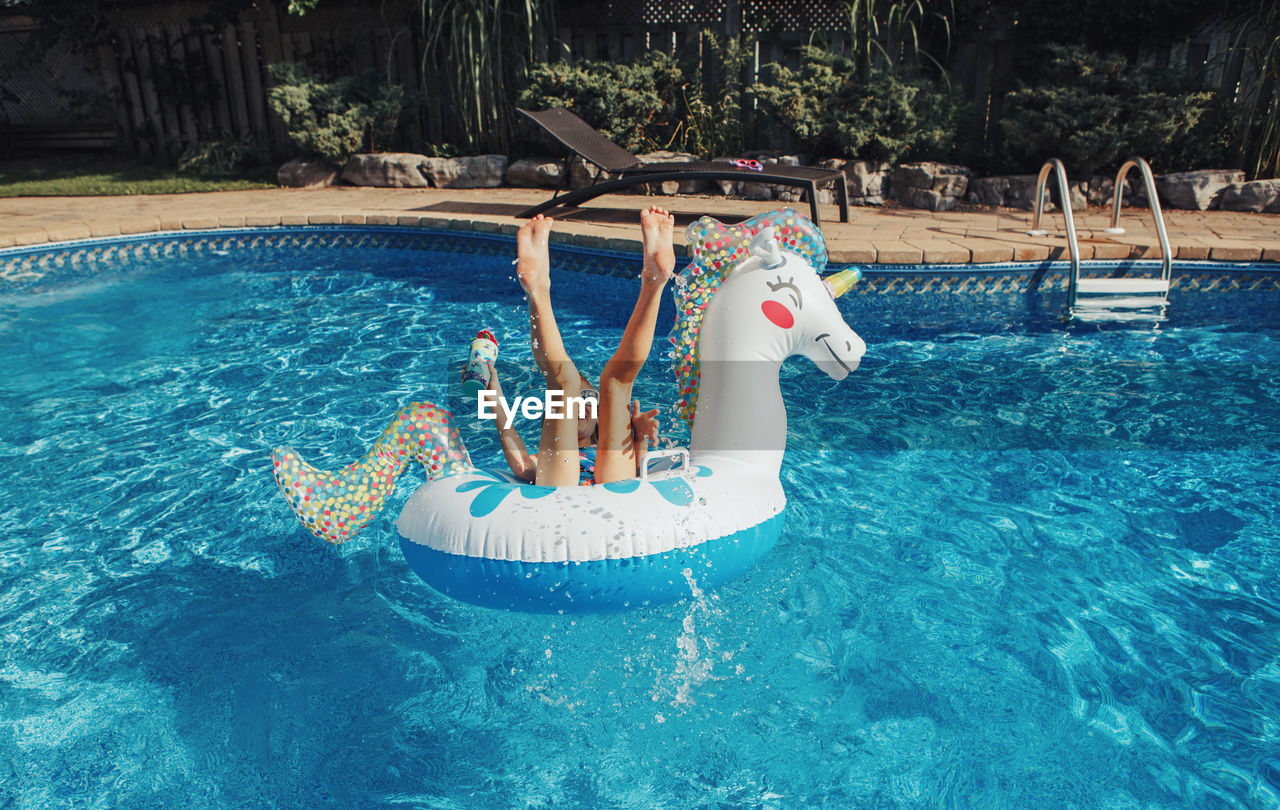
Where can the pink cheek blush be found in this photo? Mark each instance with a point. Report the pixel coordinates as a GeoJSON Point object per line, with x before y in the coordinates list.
{"type": "Point", "coordinates": [778, 314]}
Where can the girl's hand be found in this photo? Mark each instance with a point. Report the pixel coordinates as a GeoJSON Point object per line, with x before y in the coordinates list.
{"type": "Point", "coordinates": [644, 428]}
{"type": "Point", "coordinates": [495, 385]}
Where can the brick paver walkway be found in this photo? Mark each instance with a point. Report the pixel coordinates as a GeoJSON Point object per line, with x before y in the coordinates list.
{"type": "Point", "coordinates": [887, 235]}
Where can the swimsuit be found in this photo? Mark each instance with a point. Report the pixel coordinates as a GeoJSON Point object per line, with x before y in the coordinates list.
{"type": "Point", "coordinates": [586, 466]}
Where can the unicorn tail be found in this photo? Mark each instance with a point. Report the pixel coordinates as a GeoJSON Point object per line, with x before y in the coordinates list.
{"type": "Point", "coordinates": [334, 506]}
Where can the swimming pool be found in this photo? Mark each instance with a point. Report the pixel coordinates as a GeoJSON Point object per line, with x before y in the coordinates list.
{"type": "Point", "coordinates": [1025, 564]}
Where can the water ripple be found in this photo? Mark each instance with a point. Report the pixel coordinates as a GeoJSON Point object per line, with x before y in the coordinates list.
{"type": "Point", "coordinates": [1024, 564]}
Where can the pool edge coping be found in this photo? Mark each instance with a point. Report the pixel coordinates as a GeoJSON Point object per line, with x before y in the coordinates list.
{"type": "Point", "coordinates": [569, 232]}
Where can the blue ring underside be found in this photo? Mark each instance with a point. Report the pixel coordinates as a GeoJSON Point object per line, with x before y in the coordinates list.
{"type": "Point", "coordinates": [597, 586]}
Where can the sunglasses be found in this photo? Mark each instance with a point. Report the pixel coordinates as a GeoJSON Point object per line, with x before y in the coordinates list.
{"type": "Point", "coordinates": [744, 163]}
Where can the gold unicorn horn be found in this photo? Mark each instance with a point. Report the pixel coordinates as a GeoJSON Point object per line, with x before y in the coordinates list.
{"type": "Point", "coordinates": [839, 283]}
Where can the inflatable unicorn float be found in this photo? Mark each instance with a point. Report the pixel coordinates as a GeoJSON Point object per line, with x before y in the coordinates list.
{"type": "Point", "coordinates": [752, 297]}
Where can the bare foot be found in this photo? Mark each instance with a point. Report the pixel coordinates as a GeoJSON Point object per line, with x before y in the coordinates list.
{"type": "Point", "coordinates": [533, 259]}
{"type": "Point", "coordinates": [656, 226]}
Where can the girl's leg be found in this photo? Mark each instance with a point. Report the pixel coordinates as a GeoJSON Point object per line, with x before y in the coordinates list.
{"type": "Point", "coordinates": [618, 453]}
{"type": "Point", "coordinates": [558, 447]}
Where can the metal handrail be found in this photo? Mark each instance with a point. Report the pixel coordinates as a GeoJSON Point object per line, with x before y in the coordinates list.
{"type": "Point", "coordinates": [1153, 200]}
{"type": "Point", "coordinates": [1064, 194]}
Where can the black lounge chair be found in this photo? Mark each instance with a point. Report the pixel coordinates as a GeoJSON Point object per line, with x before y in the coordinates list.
{"type": "Point", "coordinates": [581, 138]}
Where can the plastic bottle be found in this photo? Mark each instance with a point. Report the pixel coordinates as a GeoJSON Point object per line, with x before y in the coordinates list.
{"type": "Point", "coordinates": [484, 350]}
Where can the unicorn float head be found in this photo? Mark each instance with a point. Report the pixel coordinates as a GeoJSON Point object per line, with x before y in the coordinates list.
{"type": "Point", "coordinates": [752, 297]}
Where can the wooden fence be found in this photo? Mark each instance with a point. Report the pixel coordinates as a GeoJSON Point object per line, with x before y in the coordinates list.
{"type": "Point", "coordinates": [180, 83]}
{"type": "Point", "coordinates": [169, 78]}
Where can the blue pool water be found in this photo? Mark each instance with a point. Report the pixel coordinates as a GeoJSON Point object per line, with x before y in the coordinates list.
{"type": "Point", "coordinates": [1024, 564]}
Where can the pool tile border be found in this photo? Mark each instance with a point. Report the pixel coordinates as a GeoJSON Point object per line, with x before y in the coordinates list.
{"type": "Point", "coordinates": [29, 263]}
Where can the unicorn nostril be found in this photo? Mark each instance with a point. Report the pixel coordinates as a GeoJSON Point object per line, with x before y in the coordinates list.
{"type": "Point", "coordinates": [848, 345]}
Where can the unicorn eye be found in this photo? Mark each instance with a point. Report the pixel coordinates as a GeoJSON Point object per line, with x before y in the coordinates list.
{"type": "Point", "coordinates": [791, 289]}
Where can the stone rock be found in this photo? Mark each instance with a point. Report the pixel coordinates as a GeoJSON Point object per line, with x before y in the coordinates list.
{"type": "Point", "coordinates": [307, 173]}
{"type": "Point", "coordinates": [1009, 191]}
{"type": "Point", "coordinates": [479, 171]}
{"type": "Point", "coordinates": [670, 187]}
{"type": "Point", "coordinates": [864, 178]}
{"type": "Point", "coordinates": [868, 178]}
{"type": "Point", "coordinates": [1258, 196]}
{"type": "Point", "coordinates": [535, 173]}
{"type": "Point", "coordinates": [1019, 191]}
{"type": "Point", "coordinates": [1101, 190]}
{"type": "Point", "coordinates": [951, 185]}
{"type": "Point", "coordinates": [726, 187]}
{"type": "Point", "coordinates": [1079, 200]}
{"type": "Point", "coordinates": [1195, 191]}
{"type": "Point", "coordinates": [582, 173]}
{"type": "Point", "coordinates": [943, 182]}
{"type": "Point", "coordinates": [386, 170]}
{"type": "Point", "coordinates": [760, 192]}
{"type": "Point", "coordinates": [988, 190]}
{"type": "Point", "coordinates": [780, 191]}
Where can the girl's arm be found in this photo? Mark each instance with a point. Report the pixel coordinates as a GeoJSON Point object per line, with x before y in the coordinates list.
{"type": "Point", "coordinates": [523, 465]}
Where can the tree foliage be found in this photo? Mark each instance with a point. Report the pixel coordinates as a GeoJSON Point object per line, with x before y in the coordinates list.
{"type": "Point", "coordinates": [335, 119]}
{"type": "Point", "coordinates": [629, 103]}
{"type": "Point", "coordinates": [832, 111]}
{"type": "Point", "coordinates": [478, 52]}
{"type": "Point", "coordinates": [1256, 135]}
{"type": "Point", "coordinates": [890, 34]}
{"type": "Point", "coordinates": [1093, 111]}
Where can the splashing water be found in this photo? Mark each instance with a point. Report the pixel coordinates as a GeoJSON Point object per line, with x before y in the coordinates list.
{"type": "Point", "coordinates": [696, 653]}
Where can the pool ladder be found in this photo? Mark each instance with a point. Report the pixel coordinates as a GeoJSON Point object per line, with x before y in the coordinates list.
{"type": "Point", "coordinates": [1109, 299]}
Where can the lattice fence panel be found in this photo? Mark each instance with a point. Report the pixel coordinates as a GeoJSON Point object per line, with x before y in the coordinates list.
{"type": "Point", "coordinates": [756, 15]}
{"type": "Point", "coordinates": [684, 12]}
{"type": "Point", "coordinates": [760, 16]}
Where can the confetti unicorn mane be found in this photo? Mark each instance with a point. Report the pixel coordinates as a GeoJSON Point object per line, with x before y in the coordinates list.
{"type": "Point", "coordinates": [715, 249]}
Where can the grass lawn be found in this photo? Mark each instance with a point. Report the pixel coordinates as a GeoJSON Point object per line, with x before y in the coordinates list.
{"type": "Point", "coordinates": [91, 177]}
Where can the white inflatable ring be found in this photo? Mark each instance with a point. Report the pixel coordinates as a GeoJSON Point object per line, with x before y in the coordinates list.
{"type": "Point", "coordinates": [753, 297]}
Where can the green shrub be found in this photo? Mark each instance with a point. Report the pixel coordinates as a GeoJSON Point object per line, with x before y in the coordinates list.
{"type": "Point", "coordinates": [634, 105]}
{"type": "Point", "coordinates": [825, 106]}
{"type": "Point", "coordinates": [336, 119]}
{"type": "Point", "coordinates": [657, 102]}
{"type": "Point", "coordinates": [1093, 111]}
{"type": "Point", "coordinates": [227, 156]}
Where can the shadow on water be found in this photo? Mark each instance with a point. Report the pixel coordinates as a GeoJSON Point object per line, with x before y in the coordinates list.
{"type": "Point", "coordinates": [293, 686]}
